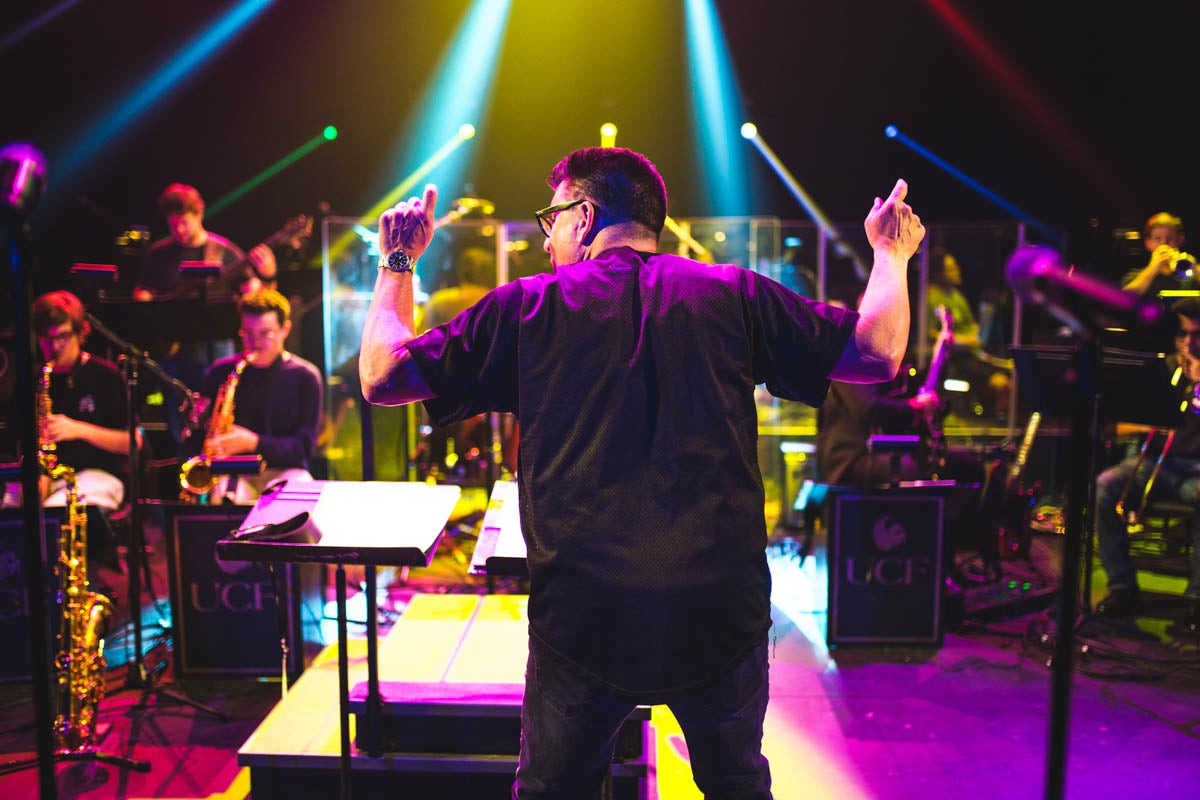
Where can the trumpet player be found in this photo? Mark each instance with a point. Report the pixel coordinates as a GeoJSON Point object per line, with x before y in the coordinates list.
{"type": "Point", "coordinates": [1178, 479]}
{"type": "Point", "coordinates": [87, 422]}
{"type": "Point", "coordinates": [1168, 267]}
{"type": "Point", "coordinates": [276, 407]}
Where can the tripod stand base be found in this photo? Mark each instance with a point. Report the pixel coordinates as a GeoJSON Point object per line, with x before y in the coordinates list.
{"type": "Point", "coordinates": [147, 688]}
{"type": "Point", "coordinates": [64, 756]}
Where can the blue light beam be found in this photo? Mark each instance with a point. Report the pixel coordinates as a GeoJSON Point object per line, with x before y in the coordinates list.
{"type": "Point", "coordinates": [168, 77]}
{"type": "Point", "coordinates": [717, 103]}
{"type": "Point", "coordinates": [459, 92]}
{"type": "Point", "coordinates": [1053, 236]}
{"type": "Point", "coordinates": [35, 23]}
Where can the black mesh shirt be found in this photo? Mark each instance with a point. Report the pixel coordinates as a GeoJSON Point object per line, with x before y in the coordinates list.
{"type": "Point", "coordinates": [633, 377]}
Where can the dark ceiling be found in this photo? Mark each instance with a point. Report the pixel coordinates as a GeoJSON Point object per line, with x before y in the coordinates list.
{"type": "Point", "coordinates": [1074, 112]}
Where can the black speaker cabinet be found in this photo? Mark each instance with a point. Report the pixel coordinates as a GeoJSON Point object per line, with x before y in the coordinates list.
{"type": "Point", "coordinates": [15, 565]}
{"type": "Point", "coordinates": [226, 615]}
{"type": "Point", "coordinates": [886, 566]}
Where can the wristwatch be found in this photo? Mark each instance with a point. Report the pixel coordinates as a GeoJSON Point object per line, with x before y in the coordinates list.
{"type": "Point", "coordinates": [398, 261]}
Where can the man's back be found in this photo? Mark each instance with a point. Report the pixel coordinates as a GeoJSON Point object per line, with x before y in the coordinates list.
{"type": "Point", "coordinates": [633, 378]}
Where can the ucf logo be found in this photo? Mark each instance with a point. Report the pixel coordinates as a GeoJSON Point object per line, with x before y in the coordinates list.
{"type": "Point", "coordinates": [886, 566]}
{"type": "Point", "coordinates": [235, 596]}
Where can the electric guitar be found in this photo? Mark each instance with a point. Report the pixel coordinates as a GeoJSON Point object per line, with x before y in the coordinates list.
{"type": "Point", "coordinates": [1017, 502]}
{"type": "Point", "coordinates": [933, 442]}
{"type": "Point", "coordinates": [294, 231]}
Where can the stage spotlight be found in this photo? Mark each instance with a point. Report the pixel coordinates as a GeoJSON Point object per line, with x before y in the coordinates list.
{"type": "Point", "coordinates": [330, 133]}
{"type": "Point", "coordinates": [749, 130]}
{"type": "Point", "coordinates": [890, 131]}
{"type": "Point", "coordinates": [608, 135]}
{"type": "Point", "coordinates": [466, 131]}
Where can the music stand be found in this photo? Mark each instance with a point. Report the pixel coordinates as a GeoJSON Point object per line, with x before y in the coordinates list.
{"type": "Point", "coordinates": [133, 359]}
{"type": "Point", "coordinates": [344, 519]}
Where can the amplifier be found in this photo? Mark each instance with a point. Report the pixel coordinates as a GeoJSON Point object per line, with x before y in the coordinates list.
{"type": "Point", "coordinates": [229, 617]}
{"type": "Point", "coordinates": [15, 566]}
{"type": "Point", "coordinates": [886, 566]}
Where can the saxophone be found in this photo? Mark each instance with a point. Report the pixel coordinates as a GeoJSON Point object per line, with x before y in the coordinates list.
{"type": "Point", "coordinates": [80, 660]}
{"type": "Point", "coordinates": [195, 477]}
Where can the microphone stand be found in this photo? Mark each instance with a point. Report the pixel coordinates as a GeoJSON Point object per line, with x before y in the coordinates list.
{"type": "Point", "coordinates": [15, 239]}
{"type": "Point", "coordinates": [136, 676]}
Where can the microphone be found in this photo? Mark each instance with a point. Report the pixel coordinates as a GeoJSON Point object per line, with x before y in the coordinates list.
{"type": "Point", "coordinates": [22, 177]}
{"type": "Point", "coordinates": [1082, 302]}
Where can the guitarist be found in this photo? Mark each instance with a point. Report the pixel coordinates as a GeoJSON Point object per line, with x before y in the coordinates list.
{"type": "Point", "coordinates": [188, 240]}
{"type": "Point", "coordinates": [852, 413]}
{"type": "Point", "coordinates": [159, 279]}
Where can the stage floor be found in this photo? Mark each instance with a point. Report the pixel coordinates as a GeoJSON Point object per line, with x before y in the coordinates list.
{"type": "Point", "coordinates": [968, 718]}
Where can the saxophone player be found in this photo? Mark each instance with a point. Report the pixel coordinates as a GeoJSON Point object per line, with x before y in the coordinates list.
{"type": "Point", "coordinates": [88, 421]}
{"type": "Point", "coordinates": [276, 408]}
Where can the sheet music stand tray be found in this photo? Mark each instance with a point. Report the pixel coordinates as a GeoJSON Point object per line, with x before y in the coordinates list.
{"type": "Point", "coordinates": [352, 530]}
{"type": "Point", "coordinates": [500, 549]}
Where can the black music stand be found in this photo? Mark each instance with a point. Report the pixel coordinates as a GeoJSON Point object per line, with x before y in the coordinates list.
{"type": "Point", "coordinates": [1085, 384]}
{"type": "Point", "coordinates": [344, 526]}
{"type": "Point", "coordinates": [133, 359]}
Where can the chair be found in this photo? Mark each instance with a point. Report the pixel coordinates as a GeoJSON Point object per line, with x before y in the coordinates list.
{"type": "Point", "coordinates": [1160, 530]}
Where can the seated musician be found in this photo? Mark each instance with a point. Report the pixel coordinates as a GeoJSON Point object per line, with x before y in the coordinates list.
{"type": "Point", "coordinates": [1178, 479]}
{"type": "Point", "coordinates": [986, 374]}
{"type": "Point", "coordinates": [88, 422]}
{"type": "Point", "coordinates": [852, 413]}
{"type": "Point", "coordinates": [159, 276]}
{"type": "Point", "coordinates": [276, 403]}
{"type": "Point", "coordinates": [1162, 236]}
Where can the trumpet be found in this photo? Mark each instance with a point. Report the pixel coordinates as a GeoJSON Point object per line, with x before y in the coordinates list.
{"type": "Point", "coordinates": [1183, 265]}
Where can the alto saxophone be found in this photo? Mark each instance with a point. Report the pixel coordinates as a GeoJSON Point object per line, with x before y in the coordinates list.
{"type": "Point", "coordinates": [80, 660]}
{"type": "Point", "coordinates": [195, 477]}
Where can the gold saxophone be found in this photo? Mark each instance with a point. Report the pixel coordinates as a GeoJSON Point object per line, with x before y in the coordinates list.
{"type": "Point", "coordinates": [195, 476]}
{"type": "Point", "coordinates": [80, 660]}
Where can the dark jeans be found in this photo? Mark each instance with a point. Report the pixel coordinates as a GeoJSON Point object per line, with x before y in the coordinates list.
{"type": "Point", "coordinates": [569, 730]}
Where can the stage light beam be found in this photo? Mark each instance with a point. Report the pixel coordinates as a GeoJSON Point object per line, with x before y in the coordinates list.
{"type": "Point", "coordinates": [750, 132]}
{"type": "Point", "coordinates": [168, 77]}
{"type": "Point", "coordinates": [460, 89]}
{"type": "Point", "coordinates": [273, 170]}
{"type": "Point", "coordinates": [717, 103]}
{"type": "Point", "coordinates": [892, 132]}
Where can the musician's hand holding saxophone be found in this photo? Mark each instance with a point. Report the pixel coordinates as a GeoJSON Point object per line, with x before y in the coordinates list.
{"type": "Point", "coordinates": [85, 418]}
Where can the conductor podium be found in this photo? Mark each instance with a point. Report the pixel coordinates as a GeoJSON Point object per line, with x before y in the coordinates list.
{"type": "Point", "coordinates": [437, 701]}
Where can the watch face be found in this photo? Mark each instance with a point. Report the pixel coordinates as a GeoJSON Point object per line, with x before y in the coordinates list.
{"type": "Point", "coordinates": [399, 262]}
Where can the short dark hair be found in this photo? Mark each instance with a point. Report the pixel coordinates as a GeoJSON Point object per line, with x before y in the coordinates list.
{"type": "Point", "coordinates": [179, 198]}
{"type": "Point", "coordinates": [1162, 219]}
{"type": "Point", "coordinates": [625, 185]}
{"type": "Point", "coordinates": [55, 308]}
{"type": "Point", "coordinates": [264, 301]}
{"type": "Point", "coordinates": [1187, 307]}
